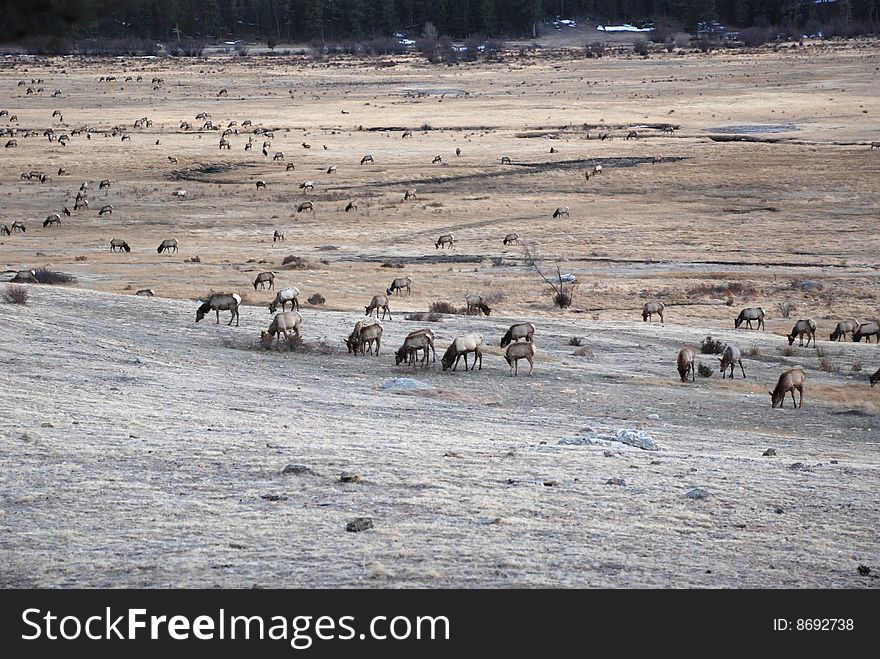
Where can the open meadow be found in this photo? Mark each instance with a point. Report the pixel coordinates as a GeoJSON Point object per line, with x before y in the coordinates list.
{"type": "Point", "coordinates": [140, 449]}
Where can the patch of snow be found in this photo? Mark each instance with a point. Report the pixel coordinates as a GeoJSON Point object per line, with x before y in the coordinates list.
{"type": "Point", "coordinates": [629, 437]}
{"type": "Point", "coordinates": [406, 384]}
{"type": "Point", "coordinates": [622, 28]}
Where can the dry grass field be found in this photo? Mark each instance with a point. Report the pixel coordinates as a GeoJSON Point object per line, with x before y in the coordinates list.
{"type": "Point", "coordinates": [141, 449]}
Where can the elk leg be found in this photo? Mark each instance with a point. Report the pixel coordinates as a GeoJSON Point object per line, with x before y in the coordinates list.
{"type": "Point", "coordinates": [531, 365]}
{"type": "Point", "coordinates": [741, 367]}
{"type": "Point", "coordinates": [218, 315]}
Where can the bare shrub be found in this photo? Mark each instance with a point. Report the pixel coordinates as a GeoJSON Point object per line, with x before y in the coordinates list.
{"type": "Point", "coordinates": [562, 299]}
{"type": "Point", "coordinates": [787, 351]}
{"type": "Point", "coordinates": [756, 36]}
{"type": "Point", "coordinates": [856, 365]}
{"type": "Point", "coordinates": [582, 352]}
{"type": "Point", "coordinates": [595, 49]}
{"type": "Point", "coordinates": [316, 300]}
{"type": "Point", "coordinates": [16, 294]}
{"type": "Point", "coordinates": [753, 351]}
{"type": "Point", "coordinates": [193, 259]}
{"type": "Point", "coordinates": [80, 258]}
{"type": "Point", "coordinates": [821, 351]}
{"type": "Point", "coordinates": [827, 365]}
{"type": "Point", "coordinates": [392, 265]}
{"type": "Point", "coordinates": [46, 276]}
{"type": "Point", "coordinates": [704, 371]}
{"type": "Point", "coordinates": [640, 47]}
{"type": "Point", "coordinates": [422, 316]}
{"type": "Point", "coordinates": [710, 346]}
{"type": "Point", "coordinates": [292, 262]}
{"type": "Point", "coordinates": [786, 308]}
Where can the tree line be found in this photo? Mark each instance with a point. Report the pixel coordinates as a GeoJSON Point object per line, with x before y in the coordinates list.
{"type": "Point", "coordinates": [310, 20]}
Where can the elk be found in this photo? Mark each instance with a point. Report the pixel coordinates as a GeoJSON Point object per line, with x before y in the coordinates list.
{"type": "Point", "coordinates": [864, 331]}
{"type": "Point", "coordinates": [362, 338]}
{"type": "Point", "coordinates": [406, 133]}
{"type": "Point", "coordinates": [378, 302]}
{"type": "Point", "coordinates": [306, 146]}
{"type": "Point", "coordinates": [803, 326]}
{"type": "Point", "coordinates": [516, 332]}
{"type": "Point", "coordinates": [686, 363]}
{"type": "Point", "coordinates": [307, 185]}
{"type": "Point", "coordinates": [80, 202]}
{"type": "Point", "coordinates": [444, 240]}
{"type": "Point", "coordinates": [118, 243]}
{"type": "Point", "coordinates": [18, 226]}
{"type": "Point", "coordinates": [66, 211]}
{"type": "Point", "coordinates": [875, 378]}
{"type": "Point", "coordinates": [306, 206]}
{"type": "Point", "coordinates": [168, 246]}
{"type": "Point", "coordinates": [279, 235]}
{"type": "Point", "coordinates": [843, 328]}
{"type": "Point", "coordinates": [278, 155]}
{"type": "Point", "coordinates": [263, 278]}
{"type": "Point", "coordinates": [589, 173]}
{"type": "Point", "coordinates": [223, 92]}
{"type": "Point", "coordinates": [104, 185]}
{"type": "Point", "coordinates": [409, 194]}
{"type": "Point", "coordinates": [261, 184]}
{"type": "Point", "coordinates": [106, 210]}
{"type": "Point", "coordinates": [436, 160]}
{"type": "Point", "coordinates": [789, 381]}
{"type": "Point", "coordinates": [553, 150]}
{"type": "Point", "coordinates": [475, 302]}
{"type": "Point", "coordinates": [561, 211]}
{"type": "Point", "coordinates": [220, 302]}
{"type": "Point", "coordinates": [54, 218]}
{"type": "Point", "coordinates": [331, 169]}
{"type": "Point", "coordinates": [282, 297]}
{"type": "Point", "coordinates": [505, 160]}
{"type": "Point", "coordinates": [11, 143]}
{"type": "Point", "coordinates": [4, 230]}
{"type": "Point", "coordinates": [180, 193]}
{"type": "Point", "coordinates": [290, 166]}
{"type": "Point", "coordinates": [399, 284]}
{"type": "Point", "coordinates": [511, 238]}
{"type": "Point", "coordinates": [652, 308]}
{"type": "Point", "coordinates": [748, 315]}
{"type": "Point", "coordinates": [632, 135]}
{"type": "Point", "coordinates": [669, 130]}
{"type": "Point", "coordinates": [517, 351]}
{"type": "Point", "coordinates": [172, 160]}
{"type": "Point", "coordinates": [875, 145]}
{"type": "Point", "coordinates": [460, 348]}
{"type": "Point", "coordinates": [729, 359]}
{"type": "Point", "coordinates": [352, 206]}
{"type": "Point", "coordinates": [225, 144]}
{"type": "Point", "coordinates": [422, 339]}
{"type": "Point", "coordinates": [248, 146]}
{"type": "Point", "coordinates": [367, 158]}
{"type": "Point", "coordinates": [286, 323]}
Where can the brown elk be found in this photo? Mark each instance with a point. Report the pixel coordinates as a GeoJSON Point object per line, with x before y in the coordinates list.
{"type": "Point", "coordinates": [18, 226]}
{"type": "Point", "coordinates": [352, 206]}
{"type": "Point", "coordinates": [517, 351]}
{"type": "Point", "coordinates": [748, 315]}
{"type": "Point", "coordinates": [864, 331]}
{"type": "Point", "coordinates": [803, 326]}
{"type": "Point", "coordinates": [476, 303]}
{"type": "Point", "coordinates": [789, 381]}
{"type": "Point", "coordinates": [55, 218]}
{"type": "Point", "coordinates": [399, 284]}
{"type": "Point", "coordinates": [106, 210]}
{"type": "Point", "coordinates": [729, 359]}
{"type": "Point", "coordinates": [562, 211]}
{"type": "Point", "coordinates": [263, 278]}
{"type": "Point", "coordinates": [409, 194]}
{"type": "Point", "coordinates": [118, 243]}
{"type": "Point", "coordinates": [843, 328]}
{"type": "Point", "coordinates": [685, 363]}
{"type": "Point", "coordinates": [367, 158]}
{"type": "Point", "coordinates": [444, 240]}
{"type": "Point", "coordinates": [378, 302]}
{"type": "Point", "coordinates": [511, 238]}
{"type": "Point", "coordinates": [652, 308]}
{"type": "Point", "coordinates": [306, 206]}
{"type": "Point", "coordinates": [282, 297]}
{"type": "Point", "coordinates": [261, 185]}
{"type": "Point", "coordinates": [167, 246]}
{"type": "Point", "coordinates": [875, 378]}
{"type": "Point", "coordinates": [505, 160]}
{"type": "Point", "coordinates": [422, 339]}
{"type": "Point", "coordinates": [461, 347]}
{"type": "Point", "coordinates": [279, 235]}
{"type": "Point", "coordinates": [220, 302]}
{"type": "Point", "coordinates": [286, 323]}
{"type": "Point", "coordinates": [516, 332]}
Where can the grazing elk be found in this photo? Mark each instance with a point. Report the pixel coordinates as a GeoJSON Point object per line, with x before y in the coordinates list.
{"type": "Point", "coordinates": [562, 211]}
{"type": "Point", "coordinates": [290, 166]}
{"type": "Point", "coordinates": [399, 284]}
{"type": "Point", "coordinates": [106, 210]}
{"type": "Point", "coordinates": [444, 240]}
{"type": "Point", "coordinates": [864, 331]}
{"type": "Point", "coordinates": [516, 332]}
{"type": "Point", "coordinates": [686, 364]}
{"type": "Point", "coordinates": [278, 156]}
{"type": "Point", "coordinates": [306, 206]}
{"type": "Point", "coordinates": [263, 278]}
{"type": "Point", "coordinates": [286, 323]}
{"type": "Point", "coordinates": [422, 339]}
{"type": "Point", "coordinates": [669, 130]}
{"type": "Point", "coordinates": [436, 160]}
{"type": "Point", "coordinates": [180, 193]}
{"type": "Point", "coordinates": [729, 359]}
{"type": "Point", "coordinates": [307, 185]}
{"type": "Point", "coordinates": [367, 158]}
{"type": "Point", "coordinates": [282, 297]}
{"type": "Point", "coordinates": [843, 328]}
{"type": "Point", "coordinates": [652, 308]}
{"type": "Point", "coordinates": [378, 302]}
{"type": "Point", "coordinates": [54, 218]}
{"type": "Point", "coordinates": [220, 302]}
{"type": "Point", "coordinates": [409, 194]}
{"type": "Point", "coordinates": [406, 133]}
{"type": "Point", "coordinates": [104, 185]}
{"type": "Point", "coordinates": [362, 337]}
{"type": "Point", "coordinates": [278, 235]}
{"type": "Point", "coordinates": [62, 171]}
{"type": "Point", "coordinates": [168, 246]}
{"type": "Point", "coordinates": [505, 160]}
{"type": "Point", "coordinates": [118, 243]}
{"type": "Point", "coordinates": [748, 315]}
{"type": "Point", "coordinates": [875, 378]}
{"type": "Point", "coordinates": [511, 239]}
{"type": "Point", "coordinates": [517, 351]}
{"type": "Point", "coordinates": [225, 144]}
{"type": "Point", "coordinates": [80, 202]}
{"type": "Point", "coordinates": [460, 348]}
{"type": "Point", "coordinates": [11, 143]}
{"type": "Point", "coordinates": [352, 206]}
{"type": "Point", "coordinates": [476, 303]}
{"type": "Point", "coordinates": [632, 135]}
{"type": "Point", "coordinates": [875, 145]}
{"type": "Point", "coordinates": [4, 230]}
{"type": "Point", "coordinates": [66, 211]}
{"type": "Point", "coordinates": [789, 381]}
{"type": "Point", "coordinates": [803, 326]}
{"type": "Point", "coordinates": [261, 184]}
{"type": "Point", "coordinates": [591, 172]}
{"type": "Point", "coordinates": [331, 169]}
{"type": "Point", "coordinates": [18, 226]}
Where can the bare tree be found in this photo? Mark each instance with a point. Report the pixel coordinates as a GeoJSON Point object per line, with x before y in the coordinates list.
{"type": "Point", "coordinates": [561, 297]}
